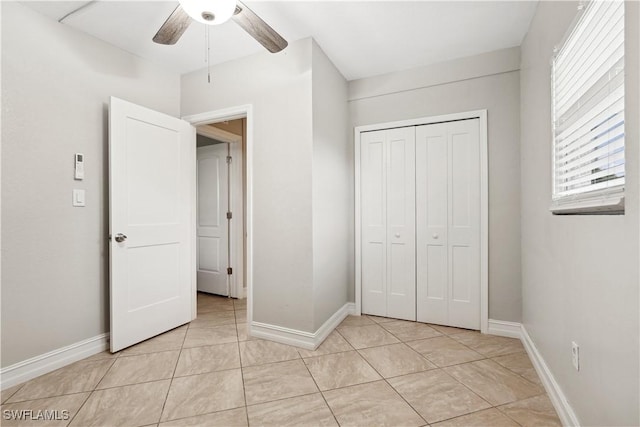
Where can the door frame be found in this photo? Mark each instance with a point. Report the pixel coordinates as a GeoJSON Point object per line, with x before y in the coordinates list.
{"type": "Point", "coordinates": [231, 113]}
{"type": "Point", "coordinates": [236, 231]}
{"type": "Point", "coordinates": [484, 201]}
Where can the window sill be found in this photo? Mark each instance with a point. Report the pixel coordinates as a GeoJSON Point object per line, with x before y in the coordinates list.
{"type": "Point", "coordinates": [609, 205]}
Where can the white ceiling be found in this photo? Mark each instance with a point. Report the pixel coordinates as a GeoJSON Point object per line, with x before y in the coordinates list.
{"type": "Point", "coordinates": [362, 38]}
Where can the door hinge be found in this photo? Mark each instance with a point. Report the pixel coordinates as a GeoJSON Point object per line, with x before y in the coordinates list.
{"type": "Point", "coordinates": [229, 159]}
{"type": "Point", "coordinates": [229, 270]}
{"type": "Point", "coordinates": [229, 215]}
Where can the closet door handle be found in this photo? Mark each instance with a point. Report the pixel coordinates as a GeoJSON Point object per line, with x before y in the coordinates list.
{"type": "Point", "coordinates": [435, 236]}
{"type": "Point", "coordinates": [397, 234]}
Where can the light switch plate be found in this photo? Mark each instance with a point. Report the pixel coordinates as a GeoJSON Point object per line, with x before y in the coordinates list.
{"type": "Point", "coordinates": [78, 198]}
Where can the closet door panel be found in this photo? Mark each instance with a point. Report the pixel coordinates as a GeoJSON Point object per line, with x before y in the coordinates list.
{"type": "Point", "coordinates": [401, 289]}
{"type": "Point", "coordinates": [464, 224]}
{"type": "Point", "coordinates": [374, 220]}
{"type": "Point", "coordinates": [431, 222]}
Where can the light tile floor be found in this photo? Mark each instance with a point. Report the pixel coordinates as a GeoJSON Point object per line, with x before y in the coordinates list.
{"type": "Point", "coordinates": [369, 371]}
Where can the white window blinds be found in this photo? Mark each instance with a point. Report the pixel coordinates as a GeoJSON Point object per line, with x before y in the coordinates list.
{"type": "Point", "coordinates": [588, 106]}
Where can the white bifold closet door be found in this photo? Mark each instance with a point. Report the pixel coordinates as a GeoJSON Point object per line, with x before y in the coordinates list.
{"type": "Point", "coordinates": [387, 167]}
{"type": "Point", "coordinates": [448, 223]}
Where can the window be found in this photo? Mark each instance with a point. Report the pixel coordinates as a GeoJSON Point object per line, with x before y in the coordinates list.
{"type": "Point", "coordinates": [588, 113]}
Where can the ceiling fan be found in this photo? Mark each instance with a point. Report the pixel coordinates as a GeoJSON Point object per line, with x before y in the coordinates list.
{"type": "Point", "coordinates": [216, 12]}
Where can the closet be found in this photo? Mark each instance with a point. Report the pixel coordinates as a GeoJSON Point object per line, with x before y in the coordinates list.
{"type": "Point", "coordinates": [420, 206]}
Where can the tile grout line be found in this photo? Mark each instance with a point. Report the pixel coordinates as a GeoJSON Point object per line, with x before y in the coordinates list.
{"type": "Point", "coordinates": [516, 374]}
{"type": "Point", "coordinates": [520, 375]}
{"type": "Point", "coordinates": [385, 380]}
{"type": "Point", "coordinates": [465, 386]}
{"type": "Point", "coordinates": [166, 397]}
{"type": "Point", "coordinates": [220, 370]}
{"type": "Point", "coordinates": [282, 399]}
{"type": "Point", "coordinates": [491, 404]}
{"type": "Point", "coordinates": [244, 390]}
{"type": "Point", "coordinates": [272, 363]}
{"type": "Point", "coordinates": [439, 335]}
{"type": "Point", "coordinates": [319, 391]}
{"type": "Point", "coordinates": [15, 391]}
{"type": "Point", "coordinates": [515, 401]}
{"type": "Point", "coordinates": [475, 412]}
{"type": "Point", "coordinates": [394, 390]}
{"type": "Point", "coordinates": [91, 392]}
{"type": "Point", "coordinates": [79, 409]}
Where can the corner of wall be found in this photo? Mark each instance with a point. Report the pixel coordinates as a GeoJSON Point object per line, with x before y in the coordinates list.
{"type": "Point", "coordinates": [331, 182]}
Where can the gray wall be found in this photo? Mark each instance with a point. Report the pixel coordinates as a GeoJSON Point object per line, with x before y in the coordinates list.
{"type": "Point", "coordinates": [279, 88]}
{"type": "Point", "coordinates": [489, 81]}
{"type": "Point", "coordinates": [56, 84]}
{"type": "Point", "coordinates": [332, 189]}
{"type": "Point", "coordinates": [580, 273]}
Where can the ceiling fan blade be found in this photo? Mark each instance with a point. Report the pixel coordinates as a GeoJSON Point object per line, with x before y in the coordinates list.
{"type": "Point", "coordinates": [173, 28]}
{"type": "Point", "coordinates": [258, 29]}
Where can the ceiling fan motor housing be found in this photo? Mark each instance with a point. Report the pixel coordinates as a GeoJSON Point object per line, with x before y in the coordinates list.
{"type": "Point", "coordinates": [211, 12]}
{"type": "Point", "coordinates": [216, 12]}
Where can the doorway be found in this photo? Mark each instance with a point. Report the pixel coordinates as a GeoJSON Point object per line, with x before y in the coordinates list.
{"type": "Point", "coordinates": [220, 213]}
{"type": "Point", "coordinates": [220, 116]}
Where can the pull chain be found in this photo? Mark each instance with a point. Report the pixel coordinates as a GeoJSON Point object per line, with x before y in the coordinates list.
{"type": "Point", "coordinates": [207, 51]}
{"type": "Point", "coordinates": [208, 54]}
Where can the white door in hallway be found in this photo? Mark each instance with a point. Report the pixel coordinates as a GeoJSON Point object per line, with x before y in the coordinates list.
{"type": "Point", "coordinates": [150, 154]}
{"type": "Point", "coordinates": [448, 223]}
{"type": "Point", "coordinates": [387, 167]}
{"type": "Point", "coordinates": [213, 230]}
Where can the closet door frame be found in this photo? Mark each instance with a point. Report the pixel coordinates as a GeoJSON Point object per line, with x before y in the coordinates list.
{"type": "Point", "coordinates": [484, 201]}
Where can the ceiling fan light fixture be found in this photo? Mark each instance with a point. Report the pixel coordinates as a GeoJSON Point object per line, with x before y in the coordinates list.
{"type": "Point", "coordinates": [210, 12]}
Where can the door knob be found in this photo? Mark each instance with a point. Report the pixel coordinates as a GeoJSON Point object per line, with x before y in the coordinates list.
{"type": "Point", "coordinates": [435, 236]}
{"type": "Point", "coordinates": [120, 237]}
{"type": "Point", "coordinates": [397, 234]}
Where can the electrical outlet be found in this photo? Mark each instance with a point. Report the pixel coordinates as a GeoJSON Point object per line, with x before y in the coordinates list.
{"type": "Point", "coordinates": [575, 355]}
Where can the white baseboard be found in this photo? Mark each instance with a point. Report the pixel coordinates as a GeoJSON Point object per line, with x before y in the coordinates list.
{"type": "Point", "coordinates": [563, 408]}
{"type": "Point", "coordinates": [517, 330]}
{"type": "Point", "coordinates": [45, 363]}
{"type": "Point", "coordinates": [306, 340]}
{"type": "Point", "coordinates": [504, 328]}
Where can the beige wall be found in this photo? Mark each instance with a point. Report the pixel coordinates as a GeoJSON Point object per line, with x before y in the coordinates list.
{"type": "Point", "coordinates": [332, 189]}
{"type": "Point", "coordinates": [580, 273]}
{"type": "Point", "coordinates": [56, 84]}
{"type": "Point", "coordinates": [490, 81]}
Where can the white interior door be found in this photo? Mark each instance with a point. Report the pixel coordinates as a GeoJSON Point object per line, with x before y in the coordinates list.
{"type": "Point", "coordinates": [150, 157]}
{"type": "Point", "coordinates": [401, 224]}
{"type": "Point", "coordinates": [448, 223]}
{"type": "Point", "coordinates": [212, 229]}
{"type": "Point", "coordinates": [388, 222]}
{"type": "Point", "coordinates": [374, 222]}
{"type": "Point", "coordinates": [432, 221]}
